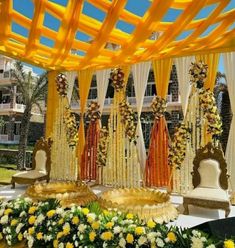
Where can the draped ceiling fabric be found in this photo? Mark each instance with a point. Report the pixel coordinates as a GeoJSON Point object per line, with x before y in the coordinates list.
{"type": "Point", "coordinates": [140, 73]}
{"type": "Point", "coordinates": [229, 64]}
{"type": "Point", "coordinates": [102, 79]}
{"type": "Point", "coordinates": [67, 51]}
{"type": "Point", "coordinates": [157, 170]}
{"type": "Point", "coordinates": [71, 76]}
{"type": "Point", "coordinates": [84, 81]}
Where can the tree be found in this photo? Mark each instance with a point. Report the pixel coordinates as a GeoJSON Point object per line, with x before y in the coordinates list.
{"type": "Point", "coordinates": [33, 90]}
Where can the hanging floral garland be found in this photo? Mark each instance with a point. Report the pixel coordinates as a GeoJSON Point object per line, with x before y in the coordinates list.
{"type": "Point", "coordinates": [198, 74]}
{"type": "Point", "coordinates": [128, 119]}
{"type": "Point", "coordinates": [117, 79]}
{"type": "Point", "coordinates": [178, 146]}
{"type": "Point", "coordinates": [102, 147]}
{"type": "Point", "coordinates": [71, 127]}
{"type": "Point", "coordinates": [93, 112]}
{"type": "Point", "coordinates": [158, 106]}
{"type": "Point", "coordinates": [62, 84]}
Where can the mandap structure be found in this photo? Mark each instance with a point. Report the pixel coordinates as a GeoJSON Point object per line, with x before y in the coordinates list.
{"type": "Point", "coordinates": [76, 40]}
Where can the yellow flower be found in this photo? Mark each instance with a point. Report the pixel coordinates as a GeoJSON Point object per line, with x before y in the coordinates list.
{"type": "Point", "coordinates": [129, 238]}
{"type": "Point", "coordinates": [95, 225]}
{"type": "Point", "coordinates": [172, 237]}
{"type": "Point", "coordinates": [129, 216]}
{"type": "Point", "coordinates": [92, 236]}
{"type": "Point", "coordinates": [75, 220]}
{"type": "Point", "coordinates": [85, 211]}
{"type": "Point", "coordinates": [20, 236]}
{"type": "Point", "coordinates": [66, 229]}
{"type": "Point", "coordinates": [59, 235]}
{"type": "Point", "coordinates": [139, 230]}
{"type": "Point", "coordinates": [90, 219]}
{"type": "Point", "coordinates": [106, 213]}
{"type": "Point", "coordinates": [109, 225]}
{"type": "Point", "coordinates": [55, 243]}
{"type": "Point", "coordinates": [151, 223]}
{"type": "Point", "coordinates": [1, 237]}
{"type": "Point", "coordinates": [61, 221]}
{"type": "Point", "coordinates": [8, 211]}
{"type": "Point", "coordinates": [50, 213]}
{"type": "Point", "coordinates": [106, 235]}
{"type": "Point", "coordinates": [69, 245]}
{"type": "Point", "coordinates": [229, 244]}
{"type": "Point", "coordinates": [32, 220]}
{"type": "Point", "coordinates": [39, 235]}
{"type": "Point", "coordinates": [14, 222]}
{"type": "Point", "coordinates": [32, 210]}
{"type": "Point", "coordinates": [31, 230]}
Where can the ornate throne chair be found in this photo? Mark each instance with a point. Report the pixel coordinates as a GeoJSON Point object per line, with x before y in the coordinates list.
{"type": "Point", "coordinates": [210, 181]}
{"type": "Point", "coordinates": [41, 165]}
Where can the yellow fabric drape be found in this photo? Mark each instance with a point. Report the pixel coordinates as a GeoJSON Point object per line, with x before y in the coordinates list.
{"type": "Point", "coordinates": [84, 81]}
{"type": "Point", "coordinates": [126, 71]}
{"type": "Point", "coordinates": [52, 102]}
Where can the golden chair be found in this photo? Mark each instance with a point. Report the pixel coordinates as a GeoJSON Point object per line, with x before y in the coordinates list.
{"type": "Point", "coordinates": [41, 165]}
{"type": "Point", "coordinates": [210, 181]}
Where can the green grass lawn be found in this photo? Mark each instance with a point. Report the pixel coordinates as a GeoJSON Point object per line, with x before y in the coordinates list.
{"type": "Point", "coordinates": [6, 172]}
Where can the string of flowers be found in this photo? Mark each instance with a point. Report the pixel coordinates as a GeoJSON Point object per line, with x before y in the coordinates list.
{"type": "Point", "coordinates": [62, 84]}
{"type": "Point", "coordinates": [198, 74]}
{"type": "Point", "coordinates": [102, 147]}
{"type": "Point", "coordinates": [93, 112]}
{"type": "Point", "coordinates": [71, 127]}
{"type": "Point", "coordinates": [117, 79]}
{"type": "Point", "coordinates": [158, 106]}
{"type": "Point", "coordinates": [47, 224]}
{"type": "Point", "coordinates": [128, 119]}
{"type": "Point", "coordinates": [178, 146]}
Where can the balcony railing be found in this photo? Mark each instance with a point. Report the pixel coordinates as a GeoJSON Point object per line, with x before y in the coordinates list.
{"type": "Point", "coordinates": [4, 138]}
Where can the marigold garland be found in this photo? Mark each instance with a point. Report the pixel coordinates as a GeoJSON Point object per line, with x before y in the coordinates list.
{"type": "Point", "coordinates": [93, 112]}
{"type": "Point", "coordinates": [128, 119]}
{"type": "Point", "coordinates": [71, 127]}
{"type": "Point", "coordinates": [117, 79]}
{"type": "Point", "coordinates": [158, 106]}
{"type": "Point", "coordinates": [102, 147]}
{"type": "Point", "coordinates": [198, 74]}
{"type": "Point", "coordinates": [62, 84]}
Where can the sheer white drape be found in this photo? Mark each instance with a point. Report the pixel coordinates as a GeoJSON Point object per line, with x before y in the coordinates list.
{"type": "Point", "coordinates": [140, 73]}
{"type": "Point", "coordinates": [71, 75]}
{"type": "Point", "coordinates": [229, 64]}
{"type": "Point", "coordinates": [182, 67]}
{"type": "Point", "coordinates": [102, 79]}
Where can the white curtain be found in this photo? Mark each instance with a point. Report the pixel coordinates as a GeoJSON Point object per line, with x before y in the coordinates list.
{"type": "Point", "coordinates": [102, 79]}
{"type": "Point", "coordinates": [182, 67]}
{"type": "Point", "coordinates": [229, 64]}
{"type": "Point", "coordinates": [140, 73]}
{"type": "Point", "coordinates": [71, 75]}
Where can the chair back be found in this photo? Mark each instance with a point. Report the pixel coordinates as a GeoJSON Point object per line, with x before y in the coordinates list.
{"type": "Point", "coordinates": [210, 168]}
{"type": "Point", "coordinates": [41, 160]}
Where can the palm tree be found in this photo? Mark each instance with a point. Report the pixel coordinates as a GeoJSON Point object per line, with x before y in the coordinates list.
{"type": "Point", "coordinates": [33, 90]}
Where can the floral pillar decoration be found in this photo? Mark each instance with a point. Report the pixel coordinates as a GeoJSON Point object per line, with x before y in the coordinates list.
{"type": "Point", "coordinates": [64, 136]}
{"type": "Point", "coordinates": [157, 170]}
{"type": "Point", "coordinates": [122, 168]}
{"type": "Point", "coordinates": [89, 156]}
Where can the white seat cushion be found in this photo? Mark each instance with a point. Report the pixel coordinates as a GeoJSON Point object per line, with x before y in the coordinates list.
{"type": "Point", "coordinates": [32, 174]}
{"type": "Point", "coordinates": [40, 159]}
{"type": "Point", "coordinates": [208, 194]}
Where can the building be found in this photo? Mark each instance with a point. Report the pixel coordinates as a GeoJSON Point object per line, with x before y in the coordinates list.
{"type": "Point", "coordinates": [12, 106]}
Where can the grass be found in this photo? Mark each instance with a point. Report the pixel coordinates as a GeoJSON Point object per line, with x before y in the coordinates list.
{"type": "Point", "coordinates": [6, 172]}
{"type": "Point", "coordinates": [15, 147]}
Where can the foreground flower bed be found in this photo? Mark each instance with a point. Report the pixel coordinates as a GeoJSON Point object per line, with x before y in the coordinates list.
{"type": "Point", "coordinates": [47, 224]}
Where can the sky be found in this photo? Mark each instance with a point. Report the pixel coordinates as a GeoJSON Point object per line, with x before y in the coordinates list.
{"type": "Point", "coordinates": [26, 7]}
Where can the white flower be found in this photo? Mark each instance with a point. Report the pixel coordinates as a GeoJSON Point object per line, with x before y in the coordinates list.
{"type": "Point", "coordinates": [81, 228]}
{"type": "Point", "coordinates": [105, 245]}
{"type": "Point", "coordinates": [4, 219]}
{"type": "Point", "coordinates": [59, 211]}
{"type": "Point", "coordinates": [30, 241]}
{"type": "Point", "coordinates": [185, 236]}
{"type": "Point", "coordinates": [142, 240]}
{"type": "Point", "coordinates": [76, 243]}
{"type": "Point", "coordinates": [115, 218]}
{"type": "Point", "coordinates": [2, 211]}
{"type": "Point", "coordinates": [159, 242]}
{"type": "Point", "coordinates": [117, 229]}
{"type": "Point", "coordinates": [122, 242]}
{"type": "Point", "coordinates": [91, 215]}
{"type": "Point", "coordinates": [22, 214]}
{"type": "Point", "coordinates": [61, 245]}
{"type": "Point", "coordinates": [39, 219]}
{"type": "Point", "coordinates": [196, 233]}
{"type": "Point", "coordinates": [203, 239]}
{"type": "Point", "coordinates": [18, 228]}
{"type": "Point", "coordinates": [196, 243]}
{"type": "Point", "coordinates": [211, 246]}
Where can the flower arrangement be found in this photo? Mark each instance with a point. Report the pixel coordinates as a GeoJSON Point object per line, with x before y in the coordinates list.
{"type": "Point", "coordinates": [102, 147]}
{"type": "Point", "coordinates": [62, 84]}
{"type": "Point", "coordinates": [117, 79]}
{"type": "Point", "coordinates": [198, 74]}
{"type": "Point", "coordinates": [128, 119]}
{"type": "Point", "coordinates": [71, 127]}
{"type": "Point", "coordinates": [158, 106]}
{"type": "Point", "coordinates": [93, 112]}
{"type": "Point", "coordinates": [177, 149]}
{"type": "Point", "coordinates": [47, 224]}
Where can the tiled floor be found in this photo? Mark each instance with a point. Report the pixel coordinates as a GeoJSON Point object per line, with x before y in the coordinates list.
{"type": "Point", "coordinates": [196, 217]}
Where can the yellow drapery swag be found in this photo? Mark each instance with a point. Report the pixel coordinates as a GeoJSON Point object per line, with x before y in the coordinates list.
{"type": "Point", "coordinates": [52, 102]}
{"type": "Point", "coordinates": [212, 60]}
{"type": "Point", "coordinates": [84, 81]}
